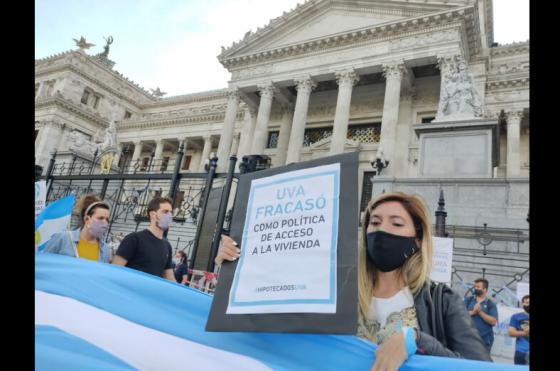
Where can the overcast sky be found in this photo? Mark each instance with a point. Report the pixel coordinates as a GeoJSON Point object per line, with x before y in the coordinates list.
{"type": "Point", "coordinates": [173, 44]}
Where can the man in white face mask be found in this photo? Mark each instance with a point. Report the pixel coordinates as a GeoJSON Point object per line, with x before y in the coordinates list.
{"type": "Point", "coordinates": [148, 251]}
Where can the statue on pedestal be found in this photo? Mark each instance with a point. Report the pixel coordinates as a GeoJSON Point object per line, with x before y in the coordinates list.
{"type": "Point", "coordinates": [459, 98]}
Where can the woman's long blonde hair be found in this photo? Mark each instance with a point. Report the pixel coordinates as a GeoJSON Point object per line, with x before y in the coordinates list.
{"type": "Point", "coordinates": [416, 270]}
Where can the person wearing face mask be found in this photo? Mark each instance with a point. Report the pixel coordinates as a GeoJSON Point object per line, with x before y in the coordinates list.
{"type": "Point", "coordinates": [85, 242]}
{"type": "Point", "coordinates": [148, 251]}
{"type": "Point", "coordinates": [483, 311]}
{"type": "Point", "coordinates": [181, 266]}
{"type": "Point", "coordinates": [396, 310]}
{"type": "Point", "coordinates": [519, 328]}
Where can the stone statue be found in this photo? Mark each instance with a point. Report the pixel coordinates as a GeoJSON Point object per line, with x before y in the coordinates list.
{"type": "Point", "coordinates": [80, 144]}
{"type": "Point", "coordinates": [459, 98]}
{"type": "Point", "coordinates": [82, 44]}
{"type": "Point", "coordinates": [105, 53]}
{"type": "Point", "coordinates": [157, 92]}
{"type": "Point", "coordinates": [110, 138]}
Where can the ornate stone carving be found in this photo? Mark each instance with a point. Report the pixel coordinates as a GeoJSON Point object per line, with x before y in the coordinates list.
{"type": "Point", "coordinates": [509, 83]}
{"type": "Point", "coordinates": [233, 94]}
{"type": "Point", "coordinates": [394, 70]}
{"type": "Point", "coordinates": [305, 84]}
{"type": "Point", "coordinates": [514, 116]}
{"type": "Point", "coordinates": [424, 40]}
{"type": "Point", "coordinates": [348, 77]}
{"type": "Point", "coordinates": [57, 124]}
{"type": "Point", "coordinates": [459, 98]}
{"type": "Point", "coordinates": [266, 90]}
{"type": "Point", "coordinates": [79, 143]}
{"type": "Point", "coordinates": [253, 71]}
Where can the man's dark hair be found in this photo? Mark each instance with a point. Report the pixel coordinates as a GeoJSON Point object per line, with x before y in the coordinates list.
{"type": "Point", "coordinates": [525, 297]}
{"type": "Point", "coordinates": [484, 282]}
{"type": "Point", "coordinates": [155, 203]}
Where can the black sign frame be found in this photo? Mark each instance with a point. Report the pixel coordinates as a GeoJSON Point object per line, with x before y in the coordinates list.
{"type": "Point", "coordinates": [344, 321]}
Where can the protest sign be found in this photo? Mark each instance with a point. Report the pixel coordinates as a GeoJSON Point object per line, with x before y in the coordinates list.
{"type": "Point", "coordinates": [40, 196]}
{"type": "Point", "coordinates": [291, 224]}
{"type": "Point", "coordinates": [297, 229]}
{"type": "Point", "coordinates": [442, 259]}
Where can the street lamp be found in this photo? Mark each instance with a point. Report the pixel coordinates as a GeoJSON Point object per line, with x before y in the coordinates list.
{"type": "Point", "coordinates": [252, 163]}
{"type": "Point", "coordinates": [380, 162]}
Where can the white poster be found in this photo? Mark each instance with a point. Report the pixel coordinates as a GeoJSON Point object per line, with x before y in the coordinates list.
{"type": "Point", "coordinates": [522, 290]}
{"type": "Point", "coordinates": [442, 259]}
{"type": "Point", "coordinates": [289, 245]}
{"type": "Point", "coordinates": [503, 348]}
{"type": "Point", "coordinates": [40, 196]}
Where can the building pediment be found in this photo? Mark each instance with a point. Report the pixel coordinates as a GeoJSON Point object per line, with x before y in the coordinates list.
{"type": "Point", "coordinates": [298, 36]}
{"type": "Point", "coordinates": [321, 19]}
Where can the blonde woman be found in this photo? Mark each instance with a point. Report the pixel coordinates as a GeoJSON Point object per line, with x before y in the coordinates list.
{"type": "Point", "coordinates": [396, 297]}
{"type": "Point", "coordinates": [397, 306]}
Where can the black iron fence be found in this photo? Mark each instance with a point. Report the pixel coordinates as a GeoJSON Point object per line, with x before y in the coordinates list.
{"type": "Point", "coordinates": [500, 255]}
{"type": "Point", "coordinates": [129, 187]}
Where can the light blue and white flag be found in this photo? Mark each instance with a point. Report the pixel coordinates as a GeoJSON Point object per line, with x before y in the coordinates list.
{"type": "Point", "coordinates": [94, 316]}
{"type": "Point", "coordinates": [54, 218]}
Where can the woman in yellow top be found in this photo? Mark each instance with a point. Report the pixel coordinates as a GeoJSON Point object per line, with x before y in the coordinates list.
{"type": "Point", "coordinates": [87, 241]}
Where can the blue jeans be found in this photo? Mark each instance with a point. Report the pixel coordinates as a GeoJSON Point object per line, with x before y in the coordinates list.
{"type": "Point", "coordinates": [520, 358]}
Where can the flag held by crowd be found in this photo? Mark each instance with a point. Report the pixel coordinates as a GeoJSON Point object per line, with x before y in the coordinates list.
{"type": "Point", "coordinates": [54, 218]}
{"type": "Point", "coordinates": [92, 316]}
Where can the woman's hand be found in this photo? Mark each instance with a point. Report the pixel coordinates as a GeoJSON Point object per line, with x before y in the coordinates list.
{"type": "Point", "coordinates": [390, 355]}
{"type": "Point", "coordinates": [228, 250]}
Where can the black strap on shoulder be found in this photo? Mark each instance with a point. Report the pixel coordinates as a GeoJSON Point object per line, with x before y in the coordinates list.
{"type": "Point", "coordinates": [437, 298]}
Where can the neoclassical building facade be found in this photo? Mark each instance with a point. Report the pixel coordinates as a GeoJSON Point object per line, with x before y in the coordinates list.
{"type": "Point", "coordinates": [328, 77]}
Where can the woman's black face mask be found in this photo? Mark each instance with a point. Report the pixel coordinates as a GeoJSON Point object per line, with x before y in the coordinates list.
{"type": "Point", "coordinates": [388, 251]}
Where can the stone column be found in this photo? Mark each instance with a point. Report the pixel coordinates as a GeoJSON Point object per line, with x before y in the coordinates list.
{"type": "Point", "coordinates": [224, 147]}
{"type": "Point", "coordinates": [158, 151]}
{"type": "Point", "coordinates": [346, 81]}
{"type": "Point", "coordinates": [404, 131]}
{"type": "Point", "coordinates": [247, 132]}
{"type": "Point", "coordinates": [234, 145]}
{"type": "Point", "coordinates": [513, 148]}
{"type": "Point", "coordinates": [137, 152]}
{"type": "Point", "coordinates": [393, 74]}
{"type": "Point", "coordinates": [261, 129]}
{"type": "Point", "coordinates": [284, 135]}
{"type": "Point", "coordinates": [304, 87]}
{"type": "Point", "coordinates": [205, 153]}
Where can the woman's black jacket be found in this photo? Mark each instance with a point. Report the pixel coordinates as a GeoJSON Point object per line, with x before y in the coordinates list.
{"type": "Point", "coordinates": [460, 336]}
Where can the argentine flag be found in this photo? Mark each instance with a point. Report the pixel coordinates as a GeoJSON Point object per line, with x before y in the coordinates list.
{"type": "Point", "coordinates": [94, 316]}
{"type": "Point", "coordinates": [54, 218]}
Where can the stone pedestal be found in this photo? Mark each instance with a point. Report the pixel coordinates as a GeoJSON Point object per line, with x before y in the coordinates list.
{"type": "Point", "coordinates": [458, 149]}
